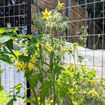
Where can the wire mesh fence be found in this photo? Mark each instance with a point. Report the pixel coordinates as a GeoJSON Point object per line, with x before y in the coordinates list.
{"type": "Point", "coordinates": [91, 14]}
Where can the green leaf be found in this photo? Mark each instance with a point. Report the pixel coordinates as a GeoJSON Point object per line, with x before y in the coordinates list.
{"type": "Point", "coordinates": [3, 97]}
{"type": "Point", "coordinates": [24, 58]}
{"type": "Point", "coordinates": [29, 36]}
{"type": "Point", "coordinates": [18, 87]}
{"type": "Point", "coordinates": [44, 90]}
{"type": "Point", "coordinates": [10, 101]}
{"type": "Point", "coordinates": [36, 38]}
{"type": "Point", "coordinates": [9, 44]}
{"type": "Point", "coordinates": [22, 35]}
{"type": "Point", "coordinates": [5, 50]}
{"type": "Point", "coordinates": [1, 88]}
{"type": "Point", "coordinates": [4, 39]}
{"type": "Point", "coordinates": [80, 58]}
{"type": "Point", "coordinates": [57, 69]}
{"type": "Point", "coordinates": [35, 79]}
{"type": "Point", "coordinates": [29, 100]}
{"type": "Point", "coordinates": [2, 31]}
{"type": "Point", "coordinates": [5, 58]}
{"type": "Point", "coordinates": [9, 30]}
{"type": "Point", "coordinates": [94, 72]}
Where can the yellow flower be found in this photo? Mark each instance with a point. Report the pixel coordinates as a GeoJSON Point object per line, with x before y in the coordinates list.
{"type": "Point", "coordinates": [93, 93]}
{"type": "Point", "coordinates": [17, 64]}
{"type": "Point", "coordinates": [39, 98]}
{"type": "Point", "coordinates": [92, 82]}
{"type": "Point", "coordinates": [31, 66]}
{"type": "Point", "coordinates": [100, 79]}
{"type": "Point", "coordinates": [71, 64]}
{"type": "Point", "coordinates": [60, 5]}
{"type": "Point", "coordinates": [49, 48]}
{"type": "Point", "coordinates": [33, 60]}
{"type": "Point", "coordinates": [63, 50]}
{"type": "Point", "coordinates": [46, 14]}
{"type": "Point", "coordinates": [51, 101]}
{"type": "Point", "coordinates": [23, 66]}
{"type": "Point", "coordinates": [71, 91]}
{"type": "Point", "coordinates": [74, 103]}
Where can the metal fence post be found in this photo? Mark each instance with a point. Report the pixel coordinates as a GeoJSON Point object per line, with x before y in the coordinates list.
{"type": "Point", "coordinates": [68, 15]}
{"type": "Point", "coordinates": [29, 32]}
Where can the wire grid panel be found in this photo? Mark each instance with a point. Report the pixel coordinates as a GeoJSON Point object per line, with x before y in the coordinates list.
{"type": "Point", "coordinates": [91, 14]}
{"type": "Point", "coordinates": [14, 13]}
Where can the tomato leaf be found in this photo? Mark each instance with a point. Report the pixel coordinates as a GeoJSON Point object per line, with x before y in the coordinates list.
{"type": "Point", "coordinates": [44, 90]}
{"type": "Point", "coordinates": [34, 80]}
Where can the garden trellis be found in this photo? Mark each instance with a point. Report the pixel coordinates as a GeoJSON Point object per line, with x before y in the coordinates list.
{"type": "Point", "coordinates": [80, 12]}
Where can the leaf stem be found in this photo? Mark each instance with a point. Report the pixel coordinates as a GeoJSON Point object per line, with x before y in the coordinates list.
{"type": "Point", "coordinates": [35, 95]}
{"type": "Point", "coordinates": [51, 66]}
{"type": "Point", "coordinates": [41, 69]}
{"type": "Point", "coordinates": [34, 92]}
{"type": "Point", "coordinates": [12, 53]}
